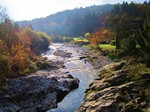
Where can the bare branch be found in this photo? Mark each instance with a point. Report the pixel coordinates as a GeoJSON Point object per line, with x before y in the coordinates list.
{"type": "Point", "coordinates": [3, 14]}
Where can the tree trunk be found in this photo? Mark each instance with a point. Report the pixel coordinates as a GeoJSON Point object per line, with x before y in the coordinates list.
{"type": "Point", "coordinates": [99, 48]}
{"type": "Point", "coordinates": [117, 42]}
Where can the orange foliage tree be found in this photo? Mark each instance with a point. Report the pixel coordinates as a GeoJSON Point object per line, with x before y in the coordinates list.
{"type": "Point", "coordinates": [103, 35]}
{"type": "Point", "coordinates": [2, 47]}
{"type": "Point", "coordinates": [18, 49]}
{"type": "Point", "coordinates": [16, 57]}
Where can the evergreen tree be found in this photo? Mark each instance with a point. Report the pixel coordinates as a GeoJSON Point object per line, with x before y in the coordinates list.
{"type": "Point", "coordinates": [144, 40]}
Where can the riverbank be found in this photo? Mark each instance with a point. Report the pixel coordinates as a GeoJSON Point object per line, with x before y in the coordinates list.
{"type": "Point", "coordinates": [39, 91]}
{"type": "Point", "coordinates": [121, 87]}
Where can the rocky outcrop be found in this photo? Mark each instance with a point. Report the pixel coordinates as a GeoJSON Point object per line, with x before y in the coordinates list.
{"type": "Point", "coordinates": [49, 64]}
{"type": "Point", "coordinates": [97, 59]}
{"type": "Point", "coordinates": [62, 53]}
{"type": "Point", "coordinates": [36, 93]}
{"type": "Point", "coordinates": [114, 91]}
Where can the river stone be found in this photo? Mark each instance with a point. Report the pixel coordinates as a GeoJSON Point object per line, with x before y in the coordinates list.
{"type": "Point", "coordinates": [36, 92]}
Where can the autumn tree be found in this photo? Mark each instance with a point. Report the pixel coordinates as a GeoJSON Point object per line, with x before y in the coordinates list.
{"type": "Point", "coordinates": [103, 35]}
{"type": "Point", "coordinates": [39, 41]}
{"type": "Point", "coordinates": [17, 53]}
{"type": "Point", "coordinates": [2, 47]}
{"type": "Point", "coordinates": [8, 33]}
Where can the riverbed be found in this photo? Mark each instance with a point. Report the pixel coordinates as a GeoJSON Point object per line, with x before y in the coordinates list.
{"type": "Point", "coordinates": [77, 67]}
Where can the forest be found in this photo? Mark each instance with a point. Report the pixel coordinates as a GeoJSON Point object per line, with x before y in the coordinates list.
{"type": "Point", "coordinates": [70, 23]}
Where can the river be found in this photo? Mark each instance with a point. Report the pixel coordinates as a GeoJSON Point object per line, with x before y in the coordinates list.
{"type": "Point", "coordinates": [80, 69]}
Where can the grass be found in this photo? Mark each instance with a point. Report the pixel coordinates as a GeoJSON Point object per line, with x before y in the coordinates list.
{"type": "Point", "coordinates": [138, 46]}
{"type": "Point", "coordinates": [107, 47]}
{"type": "Point", "coordinates": [111, 47]}
{"type": "Point", "coordinates": [76, 39]}
{"type": "Point", "coordinates": [135, 71]}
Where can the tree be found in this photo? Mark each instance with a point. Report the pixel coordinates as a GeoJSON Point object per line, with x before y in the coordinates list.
{"type": "Point", "coordinates": [8, 33]}
{"type": "Point", "coordinates": [103, 35]}
{"type": "Point", "coordinates": [2, 47]}
{"type": "Point", "coordinates": [37, 41]}
{"type": "Point", "coordinates": [3, 14]}
{"type": "Point", "coordinates": [144, 40]}
{"type": "Point", "coordinates": [125, 20]}
{"type": "Point", "coordinates": [87, 35]}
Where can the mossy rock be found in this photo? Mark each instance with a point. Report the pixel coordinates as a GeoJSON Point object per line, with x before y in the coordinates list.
{"type": "Point", "coordinates": [108, 69]}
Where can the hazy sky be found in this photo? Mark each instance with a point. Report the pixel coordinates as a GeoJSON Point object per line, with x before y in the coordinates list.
{"type": "Point", "coordinates": [30, 9]}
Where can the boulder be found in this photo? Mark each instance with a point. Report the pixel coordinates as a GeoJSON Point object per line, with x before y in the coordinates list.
{"type": "Point", "coordinates": [36, 92]}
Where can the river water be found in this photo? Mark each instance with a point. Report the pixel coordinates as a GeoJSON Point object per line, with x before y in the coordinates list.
{"type": "Point", "coordinates": [80, 69]}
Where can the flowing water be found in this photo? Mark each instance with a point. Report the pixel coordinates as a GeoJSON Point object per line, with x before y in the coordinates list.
{"type": "Point", "coordinates": [80, 69]}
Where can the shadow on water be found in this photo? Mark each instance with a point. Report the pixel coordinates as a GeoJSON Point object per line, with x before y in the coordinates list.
{"type": "Point", "coordinates": [74, 99]}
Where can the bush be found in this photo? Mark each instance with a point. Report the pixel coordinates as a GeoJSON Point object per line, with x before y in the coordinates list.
{"type": "Point", "coordinates": [67, 39]}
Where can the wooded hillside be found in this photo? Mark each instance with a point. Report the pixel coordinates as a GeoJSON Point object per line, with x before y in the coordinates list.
{"type": "Point", "coordinates": [70, 22]}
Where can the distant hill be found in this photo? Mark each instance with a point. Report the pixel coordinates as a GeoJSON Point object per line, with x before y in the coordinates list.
{"type": "Point", "coordinates": [74, 22]}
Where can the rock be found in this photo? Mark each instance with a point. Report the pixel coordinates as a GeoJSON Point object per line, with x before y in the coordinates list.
{"type": "Point", "coordinates": [82, 57]}
{"type": "Point", "coordinates": [114, 66]}
{"type": "Point", "coordinates": [49, 64]}
{"type": "Point", "coordinates": [36, 92]}
{"type": "Point", "coordinates": [62, 53]}
{"type": "Point", "coordinates": [97, 60]}
{"type": "Point", "coordinates": [7, 103]}
{"type": "Point", "coordinates": [114, 92]}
